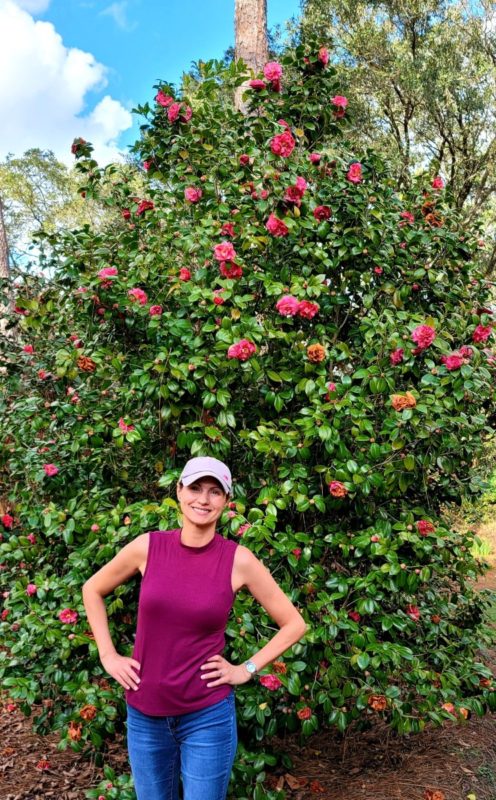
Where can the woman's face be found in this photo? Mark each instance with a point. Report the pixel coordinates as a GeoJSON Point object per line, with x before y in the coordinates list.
{"type": "Point", "coordinates": [202, 502]}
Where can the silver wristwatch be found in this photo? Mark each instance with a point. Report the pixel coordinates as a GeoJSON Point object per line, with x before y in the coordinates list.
{"type": "Point", "coordinates": [251, 667]}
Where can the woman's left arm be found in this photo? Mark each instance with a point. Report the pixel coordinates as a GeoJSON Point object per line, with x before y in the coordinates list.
{"type": "Point", "coordinates": [260, 583]}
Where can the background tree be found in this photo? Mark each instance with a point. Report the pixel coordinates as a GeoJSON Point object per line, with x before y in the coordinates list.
{"type": "Point", "coordinates": [250, 38]}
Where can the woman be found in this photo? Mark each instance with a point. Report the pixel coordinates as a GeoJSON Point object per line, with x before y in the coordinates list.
{"type": "Point", "coordinates": [179, 687]}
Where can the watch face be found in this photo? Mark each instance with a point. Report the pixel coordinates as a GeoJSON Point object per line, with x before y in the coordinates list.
{"type": "Point", "coordinates": [250, 666]}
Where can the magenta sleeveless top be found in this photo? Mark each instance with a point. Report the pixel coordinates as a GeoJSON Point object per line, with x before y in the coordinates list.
{"type": "Point", "coordinates": [184, 603]}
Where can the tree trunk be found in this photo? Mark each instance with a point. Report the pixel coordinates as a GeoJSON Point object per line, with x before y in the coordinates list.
{"type": "Point", "coordinates": [250, 24]}
{"type": "Point", "coordinates": [4, 248]}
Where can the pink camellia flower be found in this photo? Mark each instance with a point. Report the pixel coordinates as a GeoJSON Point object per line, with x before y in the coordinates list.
{"type": "Point", "coordinates": [224, 252]}
{"type": "Point", "coordinates": [276, 226]}
{"type": "Point", "coordinates": [257, 85]}
{"type": "Point", "coordinates": [264, 194]}
{"type": "Point", "coordinates": [218, 299]}
{"type": "Point", "coordinates": [43, 374]}
{"type": "Point", "coordinates": [466, 351]}
{"type": "Point", "coordinates": [423, 336]}
{"type": "Point", "coordinates": [227, 230]}
{"type": "Point", "coordinates": [283, 144]}
{"type": "Point", "coordinates": [163, 99]}
{"type": "Point", "coordinates": [7, 520]}
{"type": "Point", "coordinates": [155, 311]}
{"type": "Point", "coordinates": [173, 112]}
{"type": "Point", "coordinates": [424, 527]}
{"type": "Point", "coordinates": [453, 361]}
{"type": "Point", "coordinates": [375, 538]}
{"type": "Point", "coordinates": [396, 357]}
{"type": "Point", "coordinates": [187, 114]}
{"type": "Point", "coordinates": [437, 183]}
{"type": "Point", "coordinates": [243, 528]}
{"type": "Point", "coordinates": [28, 348]}
{"type": "Point", "coordinates": [340, 102]}
{"type": "Point", "coordinates": [378, 270]}
{"type": "Point", "coordinates": [108, 272]}
{"type": "Point", "coordinates": [68, 616]}
{"type": "Point", "coordinates": [31, 589]}
{"type": "Point", "coordinates": [5, 613]}
{"type": "Point", "coordinates": [322, 213]}
{"type": "Point", "coordinates": [147, 165]}
{"type": "Point", "coordinates": [324, 56]}
{"type": "Point", "coordinates": [314, 158]}
{"type": "Point", "coordinates": [242, 350]}
{"type": "Point", "coordinates": [297, 553]}
{"type": "Point", "coordinates": [125, 428]}
{"type": "Point", "coordinates": [413, 612]}
{"type": "Point", "coordinates": [332, 388]}
{"type": "Point", "coordinates": [407, 218]}
{"type": "Point", "coordinates": [287, 305]}
{"type": "Point", "coordinates": [271, 682]}
{"type": "Point", "coordinates": [293, 195]}
{"type": "Point", "coordinates": [95, 527]}
{"type": "Point", "coordinates": [192, 194]}
{"type": "Point", "coordinates": [244, 159]}
{"type": "Point", "coordinates": [272, 71]}
{"type": "Point", "coordinates": [337, 489]}
{"type": "Point", "coordinates": [307, 309]}
{"type": "Point", "coordinates": [145, 205]}
{"type": "Point", "coordinates": [184, 274]}
{"type": "Point", "coordinates": [481, 333]}
{"type": "Point", "coordinates": [50, 469]}
{"type": "Point", "coordinates": [139, 295]}
{"type": "Point", "coordinates": [354, 174]}
{"type": "Point", "coordinates": [229, 269]}
{"type": "Point", "coordinates": [354, 615]}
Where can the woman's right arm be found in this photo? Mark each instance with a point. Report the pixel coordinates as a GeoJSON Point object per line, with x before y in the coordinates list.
{"type": "Point", "coordinates": [123, 566]}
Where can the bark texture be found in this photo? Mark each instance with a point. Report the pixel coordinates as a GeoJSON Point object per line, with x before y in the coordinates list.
{"type": "Point", "coordinates": [4, 248]}
{"type": "Point", "coordinates": [250, 23]}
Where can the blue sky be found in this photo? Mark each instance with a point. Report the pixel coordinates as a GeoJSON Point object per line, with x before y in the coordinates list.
{"type": "Point", "coordinates": [99, 59]}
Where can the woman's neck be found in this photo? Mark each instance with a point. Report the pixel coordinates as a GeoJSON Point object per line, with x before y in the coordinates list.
{"type": "Point", "coordinates": [196, 536]}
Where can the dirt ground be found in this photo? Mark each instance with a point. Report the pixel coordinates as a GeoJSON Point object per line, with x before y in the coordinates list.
{"type": "Point", "coordinates": [456, 762]}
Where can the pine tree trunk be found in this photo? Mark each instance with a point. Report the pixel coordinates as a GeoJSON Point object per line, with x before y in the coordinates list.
{"type": "Point", "coordinates": [4, 273]}
{"type": "Point", "coordinates": [250, 23]}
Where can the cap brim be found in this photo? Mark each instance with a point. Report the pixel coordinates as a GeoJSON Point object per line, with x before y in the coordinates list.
{"type": "Point", "coordinates": [205, 474]}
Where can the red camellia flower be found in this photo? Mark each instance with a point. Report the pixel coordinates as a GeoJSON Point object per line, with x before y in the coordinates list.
{"type": "Point", "coordinates": [396, 357]}
{"type": "Point", "coordinates": [218, 300]}
{"type": "Point", "coordinates": [423, 336]}
{"type": "Point", "coordinates": [242, 350]}
{"type": "Point", "coordinates": [283, 144]}
{"type": "Point", "coordinates": [354, 615]}
{"type": "Point", "coordinates": [324, 56]}
{"type": "Point", "coordinates": [257, 85]}
{"type": "Point", "coordinates": [227, 230]}
{"type": "Point", "coordinates": [124, 427]}
{"type": "Point", "coordinates": [276, 226]}
{"type": "Point", "coordinates": [337, 489]}
{"type": "Point", "coordinates": [125, 213]}
{"type": "Point", "coordinates": [354, 174]}
{"type": "Point", "coordinates": [224, 252]}
{"type": "Point", "coordinates": [413, 612]}
{"type": "Point", "coordinates": [50, 469]}
{"type": "Point", "coordinates": [453, 361]}
{"type": "Point", "coordinates": [163, 99]}
{"type": "Point", "coordinates": [314, 158]}
{"type": "Point", "coordinates": [139, 295]}
{"type": "Point", "coordinates": [307, 309]}
{"type": "Point", "coordinates": [304, 713]}
{"type": "Point", "coordinates": [481, 333]}
{"type": "Point", "coordinates": [272, 71]}
{"type": "Point", "coordinates": [173, 112]}
{"type": "Point", "coordinates": [438, 182]}
{"type": "Point", "coordinates": [28, 348]}
{"type": "Point", "coordinates": [7, 520]}
{"type": "Point", "coordinates": [322, 213]}
{"type": "Point", "coordinates": [145, 205]}
{"type": "Point", "coordinates": [229, 269]}
{"type": "Point", "coordinates": [297, 553]}
{"type": "Point", "coordinates": [271, 682]}
{"type": "Point", "coordinates": [407, 218]}
{"type": "Point", "coordinates": [244, 159]}
{"type": "Point", "coordinates": [31, 538]}
{"type": "Point", "coordinates": [155, 311]}
{"type": "Point", "coordinates": [424, 527]}
{"type": "Point", "coordinates": [184, 274]}
{"type": "Point", "coordinates": [192, 194]}
{"type": "Point", "coordinates": [68, 616]}
{"type": "Point", "coordinates": [288, 305]}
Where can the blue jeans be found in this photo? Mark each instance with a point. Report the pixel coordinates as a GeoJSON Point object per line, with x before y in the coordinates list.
{"type": "Point", "coordinates": [199, 747]}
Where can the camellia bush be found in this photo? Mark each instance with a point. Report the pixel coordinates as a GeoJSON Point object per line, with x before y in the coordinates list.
{"type": "Point", "coordinates": [273, 301]}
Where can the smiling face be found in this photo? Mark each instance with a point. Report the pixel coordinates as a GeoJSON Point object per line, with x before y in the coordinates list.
{"type": "Point", "coordinates": [202, 502]}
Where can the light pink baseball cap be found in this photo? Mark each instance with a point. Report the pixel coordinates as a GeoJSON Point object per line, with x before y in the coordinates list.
{"type": "Point", "coordinates": [204, 466]}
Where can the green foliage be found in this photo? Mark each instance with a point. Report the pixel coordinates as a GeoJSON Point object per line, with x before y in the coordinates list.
{"type": "Point", "coordinates": [117, 398]}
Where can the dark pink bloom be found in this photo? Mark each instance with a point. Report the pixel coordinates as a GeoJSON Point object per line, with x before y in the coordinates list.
{"type": "Point", "coordinates": [324, 56]}
{"type": "Point", "coordinates": [481, 333]}
{"type": "Point", "coordinates": [228, 230]}
{"type": "Point", "coordinates": [125, 213]}
{"type": "Point", "coordinates": [173, 112]}
{"type": "Point", "coordinates": [50, 469]}
{"type": "Point", "coordinates": [424, 527]}
{"type": "Point", "coordinates": [163, 99]}
{"type": "Point", "coordinates": [288, 305]}
{"type": "Point", "coordinates": [229, 269]}
{"type": "Point", "coordinates": [293, 195]}
{"type": "Point", "coordinates": [354, 615]}
{"type": "Point", "coordinates": [31, 538]}
{"type": "Point", "coordinates": [257, 85]}
{"type": "Point", "coordinates": [224, 251]}
{"type": "Point", "coordinates": [147, 165]}
{"type": "Point", "coordinates": [413, 612]}
{"type": "Point", "coordinates": [139, 295]}
{"type": "Point", "coordinates": [271, 682]}
{"type": "Point", "coordinates": [276, 226]}
{"type": "Point", "coordinates": [438, 182]}
{"type": "Point", "coordinates": [28, 348]}
{"type": "Point", "coordinates": [378, 270]}
{"type": "Point", "coordinates": [296, 552]}
{"type": "Point", "coordinates": [192, 194]}
{"type": "Point", "coordinates": [339, 101]}
{"type": "Point", "coordinates": [244, 159]}
{"type": "Point", "coordinates": [307, 309]}
{"type": "Point", "coordinates": [187, 114]}
{"type": "Point", "coordinates": [68, 616]}
{"type": "Point", "coordinates": [218, 299]}
{"type": "Point", "coordinates": [314, 158]}
{"type": "Point", "coordinates": [243, 528]}
{"type": "Point", "coordinates": [145, 205]}
{"type": "Point", "coordinates": [466, 351]}
{"type": "Point", "coordinates": [354, 174]}
{"type": "Point", "coordinates": [242, 350]}
{"type": "Point", "coordinates": [124, 427]}
{"type": "Point", "coordinates": [408, 217]}
{"type": "Point", "coordinates": [155, 311]}
{"type": "Point", "coordinates": [31, 589]}
{"type": "Point", "coordinates": [322, 213]}
{"type": "Point", "coordinates": [453, 361]}
{"type": "Point", "coordinates": [283, 144]}
{"type": "Point", "coordinates": [7, 520]}
{"type": "Point", "coordinates": [184, 274]}
{"type": "Point", "coordinates": [337, 489]}
{"type": "Point", "coordinates": [272, 71]}
{"type": "Point", "coordinates": [423, 336]}
{"type": "Point", "coordinates": [396, 357]}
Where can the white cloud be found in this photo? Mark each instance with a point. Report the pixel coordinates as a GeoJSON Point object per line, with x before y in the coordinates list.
{"type": "Point", "coordinates": [43, 86]}
{"type": "Point", "coordinates": [118, 12]}
{"type": "Point", "coordinates": [33, 6]}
